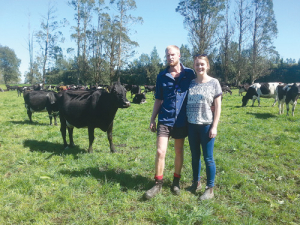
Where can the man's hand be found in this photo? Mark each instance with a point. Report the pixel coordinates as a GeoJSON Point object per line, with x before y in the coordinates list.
{"type": "Point", "coordinates": [152, 126]}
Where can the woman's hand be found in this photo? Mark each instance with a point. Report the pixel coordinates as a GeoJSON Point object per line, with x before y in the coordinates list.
{"type": "Point", "coordinates": [213, 132]}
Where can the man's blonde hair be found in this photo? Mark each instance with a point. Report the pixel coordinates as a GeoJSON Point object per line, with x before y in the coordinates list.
{"type": "Point", "coordinates": [172, 47]}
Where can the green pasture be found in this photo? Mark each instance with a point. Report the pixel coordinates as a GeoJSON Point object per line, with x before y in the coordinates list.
{"type": "Point", "coordinates": [257, 154]}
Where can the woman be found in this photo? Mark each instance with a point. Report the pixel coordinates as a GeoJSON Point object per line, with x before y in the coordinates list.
{"type": "Point", "coordinates": [204, 92]}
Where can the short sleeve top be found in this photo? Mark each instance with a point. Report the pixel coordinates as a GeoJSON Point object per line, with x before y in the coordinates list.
{"type": "Point", "coordinates": [200, 99]}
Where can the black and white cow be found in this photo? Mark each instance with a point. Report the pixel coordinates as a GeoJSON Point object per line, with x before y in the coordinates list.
{"type": "Point", "coordinates": [243, 88]}
{"type": "Point", "coordinates": [91, 109]}
{"type": "Point", "coordinates": [42, 101]}
{"type": "Point", "coordinates": [288, 94]}
{"type": "Point", "coordinates": [258, 90]}
{"type": "Point", "coordinates": [139, 98]}
{"type": "Point", "coordinates": [226, 89]}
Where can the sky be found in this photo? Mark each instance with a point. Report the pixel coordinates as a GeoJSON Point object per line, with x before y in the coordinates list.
{"type": "Point", "coordinates": [162, 26]}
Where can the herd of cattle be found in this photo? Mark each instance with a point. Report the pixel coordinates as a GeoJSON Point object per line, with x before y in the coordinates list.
{"type": "Point", "coordinates": [96, 106]}
{"type": "Point", "coordinates": [283, 93]}
{"type": "Point", "coordinates": [80, 106]}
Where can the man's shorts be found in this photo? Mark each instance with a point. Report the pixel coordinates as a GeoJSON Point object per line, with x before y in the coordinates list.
{"type": "Point", "coordinates": [174, 132]}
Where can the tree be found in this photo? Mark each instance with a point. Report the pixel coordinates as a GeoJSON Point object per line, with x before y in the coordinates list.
{"type": "Point", "coordinates": [225, 44]}
{"type": "Point", "coordinates": [243, 21]}
{"type": "Point", "coordinates": [9, 65]}
{"type": "Point", "coordinates": [186, 57]}
{"type": "Point", "coordinates": [155, 67]}
{"type": "Point", "coordinates": [124, 21]}
{"type": "Point", "coordinates": [264, 30]}
{"type": "Point", "coordinates": [48, 37]}
{"type": "Point", "coordinates": [30, 76]}
{"type": "Point", "coordinates": [202, 18]}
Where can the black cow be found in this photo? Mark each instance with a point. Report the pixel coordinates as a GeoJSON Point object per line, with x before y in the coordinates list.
{"type": "Point", "coordinates": [42, 101]}
{"type": "Point", "coordinates": [11, 87]}
{"type": "Point", "coordinates": [288, 94]}
{"type": "Point", "coordinates": [135, 89]}
{"type": "Point", "coordinates": [139, 98]}
{"type": "Point", "coordinates": [91, 109]}
{"type": "Point", "coordinates": [149, 88]}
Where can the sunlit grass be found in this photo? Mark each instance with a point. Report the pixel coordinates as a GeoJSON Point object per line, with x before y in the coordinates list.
{"type": "Point", "coordinates": [256, 152]}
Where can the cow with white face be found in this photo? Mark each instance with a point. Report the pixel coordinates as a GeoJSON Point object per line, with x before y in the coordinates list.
{"type": "Point", "coordinates": [288, 94]}
{"type": "Point", "coordinates": [258, 90]}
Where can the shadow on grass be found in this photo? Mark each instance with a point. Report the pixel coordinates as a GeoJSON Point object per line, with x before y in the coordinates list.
{"type": "Point", "coordinates": [27, 122]}
{"type": "Point", "coordinates": [55, 149]}
{"type": "Point", "coordinates": [262, 115]}
{"type": "Point", "coordinates": [126, 181]}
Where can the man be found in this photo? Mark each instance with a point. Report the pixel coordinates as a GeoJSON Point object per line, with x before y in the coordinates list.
{"type": "Point", "coordinates": [172, 85]}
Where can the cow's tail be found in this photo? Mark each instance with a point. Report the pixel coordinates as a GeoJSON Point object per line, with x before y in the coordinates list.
{"type": "Point", "coordinates": [51, 97]}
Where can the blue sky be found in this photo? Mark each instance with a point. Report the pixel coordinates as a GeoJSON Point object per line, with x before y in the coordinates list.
{"type": "Point", "coordinates": [162, 26]}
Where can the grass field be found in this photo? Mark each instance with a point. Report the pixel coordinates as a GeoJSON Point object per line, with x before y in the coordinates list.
{"type": "Point", "coordinates": [257, 154]}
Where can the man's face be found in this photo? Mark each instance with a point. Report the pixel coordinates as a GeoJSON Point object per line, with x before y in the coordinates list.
{"type": "Point", "coordinates": [173, 57]}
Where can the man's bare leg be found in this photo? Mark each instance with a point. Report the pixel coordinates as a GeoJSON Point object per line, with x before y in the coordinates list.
{"type": "Point", "coordinates": [178, 162]}
{"type": "Point", "coordinates": [162, 144]}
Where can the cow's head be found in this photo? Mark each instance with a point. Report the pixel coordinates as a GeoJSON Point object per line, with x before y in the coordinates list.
{"type": "Point", "coordinates": [119, 94]}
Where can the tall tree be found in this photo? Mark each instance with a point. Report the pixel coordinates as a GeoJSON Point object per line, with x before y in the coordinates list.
{"type": "Point", "coordinates": [202, 19]}
{"type": "Point", "coordinates": [243, 21]}
{"type": "Point", "coordinates": [226, 41]}
{"type": "Point", "coordinates": [9, 65]}
{"type": "Point", "coordinates": [30, 75]}
{"type": "Point", "coordinates": [76, 4]}
{"type": "Point", "coordinates": [111, 45]}
{"type": "Point", "coordinates": [98, 61]}
{"type": "Point", "coordinates": [48, 37]}
{"type": "Point", "coordinates": [264, 31]}
{"type": "Point", "coordinates": [125, 20]}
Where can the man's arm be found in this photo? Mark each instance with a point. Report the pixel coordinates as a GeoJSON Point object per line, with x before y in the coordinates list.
{"type": "Point", "coordinates": [156, 108]}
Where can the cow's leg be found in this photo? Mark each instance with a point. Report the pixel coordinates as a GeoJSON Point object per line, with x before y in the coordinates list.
{"type": "Point", "coordinates": [63, 127]}
{"type": "Point", "coordinates": [70, 130]}
{"type": "Point", "coordinates": [55, 114]}
{"type": "Point", "coordinates": [293, 109]}
{"type": "Point", "coordinates": [55, 121]}
{"type": "Point", "coordinates": [91, 138]}
{"type": "Point", "coordinates": [109, 137]}
{"type": "Point", "coordinates": [280, 106]}
{"type": "Point", "coordinates": [287, 108]}
{"type": "Point", "coordinates": [274, 101]}
{"type": "Point", "coordinates": [50, 117]}
{"type": "Point", "coordinates": [258, 101]}
{"type": "Point", "coordinates": [29, 113]}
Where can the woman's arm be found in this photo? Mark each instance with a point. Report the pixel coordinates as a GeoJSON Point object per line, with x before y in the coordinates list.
{"type": "Point", "coordinates": [217, 114]}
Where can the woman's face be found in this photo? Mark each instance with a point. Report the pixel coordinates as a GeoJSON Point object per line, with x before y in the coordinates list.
{"type": "Point", "coordinates": [200, 66]}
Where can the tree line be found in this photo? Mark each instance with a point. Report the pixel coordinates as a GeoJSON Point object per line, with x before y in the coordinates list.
{"type": "Point", "coordinates": [237, 35]}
